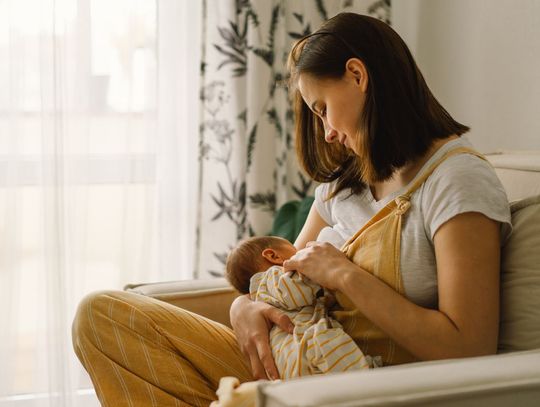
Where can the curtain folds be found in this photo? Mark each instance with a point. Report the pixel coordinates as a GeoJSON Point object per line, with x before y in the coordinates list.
{"type": "Point", "coordinates": [98, 171]}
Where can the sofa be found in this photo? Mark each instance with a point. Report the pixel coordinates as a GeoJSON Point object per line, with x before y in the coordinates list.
{"type": "Point", "coordinates": [512, 377]}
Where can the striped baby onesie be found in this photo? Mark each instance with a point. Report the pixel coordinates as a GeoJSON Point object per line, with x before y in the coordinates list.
{"type": "Point", "coordinates": [318, 343]}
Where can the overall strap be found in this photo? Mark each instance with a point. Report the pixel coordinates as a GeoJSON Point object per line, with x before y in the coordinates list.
{"type": "Point", "coordinates": [425, 175]}
{"type": "Point", "coordinates": [401, 204]}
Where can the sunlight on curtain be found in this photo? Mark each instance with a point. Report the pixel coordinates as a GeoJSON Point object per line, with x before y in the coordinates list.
{"type": "Point", "coordinates": [98, 150]}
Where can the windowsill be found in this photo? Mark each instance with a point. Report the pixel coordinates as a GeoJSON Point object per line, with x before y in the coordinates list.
{"type": "Point", "coordinates": [82, 398]}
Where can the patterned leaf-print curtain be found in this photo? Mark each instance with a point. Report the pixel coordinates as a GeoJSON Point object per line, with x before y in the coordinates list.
{"type": "Point", "coordinates": [247, 162]}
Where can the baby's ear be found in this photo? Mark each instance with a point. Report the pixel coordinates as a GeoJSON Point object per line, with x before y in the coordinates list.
{"type": "Point", "coordinates": [272, 256]}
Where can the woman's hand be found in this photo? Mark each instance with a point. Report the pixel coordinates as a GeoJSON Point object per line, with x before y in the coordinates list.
{"type": "Point", "coordinates": [322, 263]}
{"type": "Point", "coordinates": [252, 321]}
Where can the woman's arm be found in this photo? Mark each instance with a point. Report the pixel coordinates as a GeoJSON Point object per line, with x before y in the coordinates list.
{"type": "Point", "coordinates": [467, 250]}
{"type": "Point", "coordinates": [314, 224]}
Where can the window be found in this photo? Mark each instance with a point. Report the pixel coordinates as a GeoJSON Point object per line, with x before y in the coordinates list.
{"type": "Point", "coordinates": [81, 201]}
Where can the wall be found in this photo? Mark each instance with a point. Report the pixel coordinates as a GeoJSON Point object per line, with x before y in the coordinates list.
{"type": "Point", "coordinates": [481, 59]}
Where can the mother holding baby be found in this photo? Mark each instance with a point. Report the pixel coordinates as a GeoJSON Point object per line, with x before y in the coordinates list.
{"type": "Point", "coordinates": [420, 217]}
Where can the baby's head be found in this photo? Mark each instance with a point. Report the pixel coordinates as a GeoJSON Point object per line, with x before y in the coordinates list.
{"type": "Point", "coordinates": [254, 255]}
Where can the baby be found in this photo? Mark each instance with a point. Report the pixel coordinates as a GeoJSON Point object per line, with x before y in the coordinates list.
{"type": "Point", "coordinates": [318, 343]}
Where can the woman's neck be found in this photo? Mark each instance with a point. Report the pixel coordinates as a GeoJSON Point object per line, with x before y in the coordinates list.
{"type": "Point", "coordinates": [406, 174]}
{"type": "Point", "coordinates": [409, 171]}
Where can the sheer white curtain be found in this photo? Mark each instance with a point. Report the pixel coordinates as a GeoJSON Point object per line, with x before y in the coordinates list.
{"type": "Point", "coordinates": [98, 152]}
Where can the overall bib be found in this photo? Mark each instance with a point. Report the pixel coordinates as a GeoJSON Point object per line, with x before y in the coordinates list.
{"type": "Point", "coordinates": [376, 248]}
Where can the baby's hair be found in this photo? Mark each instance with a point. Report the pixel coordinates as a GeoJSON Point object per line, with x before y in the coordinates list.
{"type": "Point", "coordinates": [246, 259]}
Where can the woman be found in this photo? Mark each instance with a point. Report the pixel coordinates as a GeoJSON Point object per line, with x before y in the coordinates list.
{"type": "Point", "coordinates": [368, 127]}
{"type": "Point", "coordinates": [421, 216]}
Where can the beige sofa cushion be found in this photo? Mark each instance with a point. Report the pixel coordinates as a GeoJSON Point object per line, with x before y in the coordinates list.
{"type": "Point", "coordinates": [519, 172]}
{"type": "Point", "coordinates": [210, 298]}
{"type": "Point", "coordinates": [520, 280]}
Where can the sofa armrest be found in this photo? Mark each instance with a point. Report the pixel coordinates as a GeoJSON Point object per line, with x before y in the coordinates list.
{"type": "Point", "coordinates": [210, 298]}
{"type": "Point", "coordinates": [498, 380]}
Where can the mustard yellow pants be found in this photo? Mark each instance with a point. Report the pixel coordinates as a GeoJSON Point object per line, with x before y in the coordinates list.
{"type": "Point", "coordinates": [140, 351]}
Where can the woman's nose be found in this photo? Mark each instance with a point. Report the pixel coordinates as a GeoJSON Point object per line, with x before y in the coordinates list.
{"type": "Point", "coordinates": [330, 135]}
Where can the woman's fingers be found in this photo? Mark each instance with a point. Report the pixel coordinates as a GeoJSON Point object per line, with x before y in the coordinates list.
{"type": "Point", "coordinates": [252, 322]}
{"type": "Point", "coordinates": [292, 264]}
{"type": "Point", "coordinates": [297, 261]}
{"type": "Point", "coordinates": [261, 359]}
{"type": "Point", "coordinates": [264, 366]}
{"type": "Point", "coordinates": [257, 367]}
{"type": "Point", "coordinates": [288, 265]}
{"type": "Point", "coordinates": [267, 360]}
{"type": "Point", "coordinates": [280, 319]}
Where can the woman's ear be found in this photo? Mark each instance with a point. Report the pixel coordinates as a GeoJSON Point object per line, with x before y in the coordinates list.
{"type": "Point", "coordinates": [272, 256]}
{"type": "Point", "coordinates": [357, 71]}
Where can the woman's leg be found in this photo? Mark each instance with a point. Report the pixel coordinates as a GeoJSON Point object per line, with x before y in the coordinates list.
{"type": "Point", "coordinates": [143, 352]}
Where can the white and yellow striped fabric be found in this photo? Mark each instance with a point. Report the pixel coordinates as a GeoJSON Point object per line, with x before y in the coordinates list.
{"type": "Point", "coordinates": [318, 343]}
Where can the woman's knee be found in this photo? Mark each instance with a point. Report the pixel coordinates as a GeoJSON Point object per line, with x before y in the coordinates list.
{"type": "Point", "coordinates": [90, 311]}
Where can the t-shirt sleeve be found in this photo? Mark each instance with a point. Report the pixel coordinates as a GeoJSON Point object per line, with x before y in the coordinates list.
{"type": "Point", "coordinates": [323, 205]}
{"type": "Point", "coordinates": [464, 183]}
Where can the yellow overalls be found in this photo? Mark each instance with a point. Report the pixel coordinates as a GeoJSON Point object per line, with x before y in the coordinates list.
{"type": "Point", "coordinates": [376, 248]}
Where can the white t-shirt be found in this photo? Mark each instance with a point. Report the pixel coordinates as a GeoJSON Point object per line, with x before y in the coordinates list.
{"type": "Point", "coordinates": [462, 183]}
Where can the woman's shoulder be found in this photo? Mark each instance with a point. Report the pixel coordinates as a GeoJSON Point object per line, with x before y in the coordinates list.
{"type": "Point", "coordinates": [343, 207]}
{"type": "Point", "coordinates": [324, 189]}
{"type": "Point", "coordinates": [463, 169]}
{"type": "Point", "coordinates": [464, 163]}
{"type": "Point", "coordinates": [463, 183]}
{"type": "Point", "coordinates": [466, 171]}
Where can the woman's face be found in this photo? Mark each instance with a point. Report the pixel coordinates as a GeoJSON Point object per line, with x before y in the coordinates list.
{"type": "Point", "coordinates": [338, 103]}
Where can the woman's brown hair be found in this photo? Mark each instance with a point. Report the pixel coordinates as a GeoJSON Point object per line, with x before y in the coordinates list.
{"type": "Point", "coordinates": [401, 117]}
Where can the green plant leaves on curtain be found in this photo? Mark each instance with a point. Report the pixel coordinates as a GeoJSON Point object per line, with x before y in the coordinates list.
{"type": "Point", "coordinates": [247, 161]}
